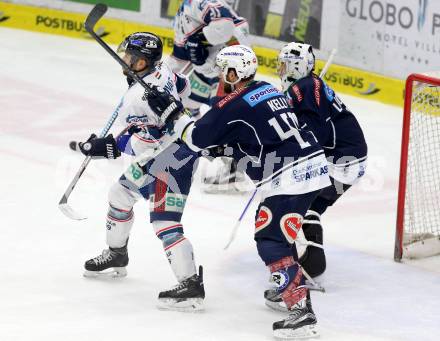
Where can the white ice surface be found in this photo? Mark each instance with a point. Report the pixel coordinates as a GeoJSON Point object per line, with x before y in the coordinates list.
{"type": "Point", "coordinates": [54, 89]}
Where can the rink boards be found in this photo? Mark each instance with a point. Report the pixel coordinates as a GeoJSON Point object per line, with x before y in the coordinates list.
{"type": "Point", "coordinates": [351, 81]}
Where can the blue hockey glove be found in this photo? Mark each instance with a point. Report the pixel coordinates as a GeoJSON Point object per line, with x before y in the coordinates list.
{"type": "Point", "coordinates": [197, 48]}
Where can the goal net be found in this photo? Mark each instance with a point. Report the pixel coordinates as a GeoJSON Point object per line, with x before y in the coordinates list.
{"type": "Point", "coordinates": [418, 212]}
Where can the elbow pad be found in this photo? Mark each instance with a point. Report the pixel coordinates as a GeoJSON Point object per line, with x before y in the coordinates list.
{"type": "Point", "coordinates": [219, 31]}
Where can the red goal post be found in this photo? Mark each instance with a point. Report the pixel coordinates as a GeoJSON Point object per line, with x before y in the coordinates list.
{"type": "Point", "coordinates": [418, 208]}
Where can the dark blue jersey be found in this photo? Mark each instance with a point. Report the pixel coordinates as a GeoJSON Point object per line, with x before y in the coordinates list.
{"type": "Point", "coordinates": [335, 127]}
{"type": "Point", "coordinates": [257, 122]}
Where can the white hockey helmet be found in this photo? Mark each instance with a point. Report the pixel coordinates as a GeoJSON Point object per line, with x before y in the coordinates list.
{"type": "Point", "coordinates": [239, 58]}
{"type": "Point", "coordinates": [295, 61]}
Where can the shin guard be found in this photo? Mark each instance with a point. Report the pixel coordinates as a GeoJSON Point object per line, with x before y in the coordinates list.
{"type": "Point", "coordinates": [178, 249]}
{"type": "Point", "coordinates": [288, 277]}
{"type": "Point", "coordinates": [119, 223]}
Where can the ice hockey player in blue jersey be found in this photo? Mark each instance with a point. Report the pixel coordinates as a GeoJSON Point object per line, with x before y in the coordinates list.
{"type": "Point", "coordinates": [321, 111]}
{"type": "Point", "coordinates": [164, 180]}
{"type": "Point", "coordinates": [288, 166]}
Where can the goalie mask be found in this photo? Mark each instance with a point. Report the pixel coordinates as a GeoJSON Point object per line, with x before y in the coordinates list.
{"type": "Point", "coordinates": [143, 45]}
{"type": "Point", "coordinates": [239, 58]}
{"type": "Point", "coordinates": [295, 61]}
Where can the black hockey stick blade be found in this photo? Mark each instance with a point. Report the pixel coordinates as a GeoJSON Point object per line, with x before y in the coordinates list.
{"type": "Point", "coordinates": [95, 14]}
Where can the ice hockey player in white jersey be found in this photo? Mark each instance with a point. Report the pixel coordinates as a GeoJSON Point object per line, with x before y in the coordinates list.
{"type": "Point", "coordinates": [201, 29]}
{"type": "Point", "coordinates": [286, 163]}
{"type": "Point", "coordinates": [165, 180]}
{"type": "Point", "coordinates": [321, 111]}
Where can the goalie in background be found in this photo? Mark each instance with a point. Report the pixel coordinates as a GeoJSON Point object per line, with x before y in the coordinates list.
{"type": "Point", "coordinates": [201, 29]}
{"type": "Point", "coordinates": [165, 180]}
{"type": "Point", "coordinates": [322, 112]}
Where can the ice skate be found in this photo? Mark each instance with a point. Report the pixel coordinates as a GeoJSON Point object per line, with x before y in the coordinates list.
{"type": "Point", "coordinates": [273, 300]}
{"type": "Point", "coordinates": [111, 263]}
{"type": "Point", "coordinates": [187, 296]}
{"type": "Point", "coordinates": [300, 324]}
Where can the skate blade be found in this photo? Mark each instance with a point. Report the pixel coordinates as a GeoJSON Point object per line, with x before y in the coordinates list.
{"type": "Point", "coordinates": [190, 305]}
{"type": "Point", "coordinates": [278, 306]}
{"type": "Point", "coordinates": [109, 273]}
{"type": "Point", "coordinates": [306, 332]}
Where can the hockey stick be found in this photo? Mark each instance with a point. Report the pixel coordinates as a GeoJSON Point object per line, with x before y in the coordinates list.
{"type": "Point", "coordinates": [94, 16]}
{"type": "Point", "coordinates": [237, 224]}
{"type": "Point", "coordinates": [63, 205]}
{"type": "Point", "coordinates": [328, 63]}
{"type": "Point", "coordinates": [187, 69]}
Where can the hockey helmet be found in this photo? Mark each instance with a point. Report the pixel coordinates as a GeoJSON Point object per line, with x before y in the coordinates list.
{"type": "Point", "coordinates": [295, 61]}
{"type": "Point", "coordinates": [143, 45]}
{"type": "Point", "coordinates": [239, 58]}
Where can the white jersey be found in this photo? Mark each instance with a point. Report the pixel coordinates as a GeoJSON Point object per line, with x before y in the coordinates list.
{"type": "Point", "coordinates": [134, 108]}
{"type": "Point", "coordinates": [220, 24]}
{"type": "Point", "coordinates": [194, 15]}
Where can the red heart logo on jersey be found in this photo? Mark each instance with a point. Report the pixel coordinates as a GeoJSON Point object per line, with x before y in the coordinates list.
{"type": "Point", "coordinates": [264, 218]}
{"type": "Point", "coordinates": [290, 225]}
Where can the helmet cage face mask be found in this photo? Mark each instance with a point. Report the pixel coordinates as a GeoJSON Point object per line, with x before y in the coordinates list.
{"type": "Point", "coordinates": [239, 58]}
{"type": "Point", "coordinates": [231, 66]}
{"type": "Point", "coordinates": [295, 61]}
{"type": "Point", "coordinates": [281, 67]}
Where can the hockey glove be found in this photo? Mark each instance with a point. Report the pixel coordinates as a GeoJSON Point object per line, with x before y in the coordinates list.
{"type": "Point", "coordinates": [197, 48]}
{"type": "Point", "coordinates": [134, 129]}
{"type": "Point", "coordinates": [164, 105]}
{"type": "Point", "coordinates": [217, 151]}
{"type": "Point", "coordinates": [100, 147]}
